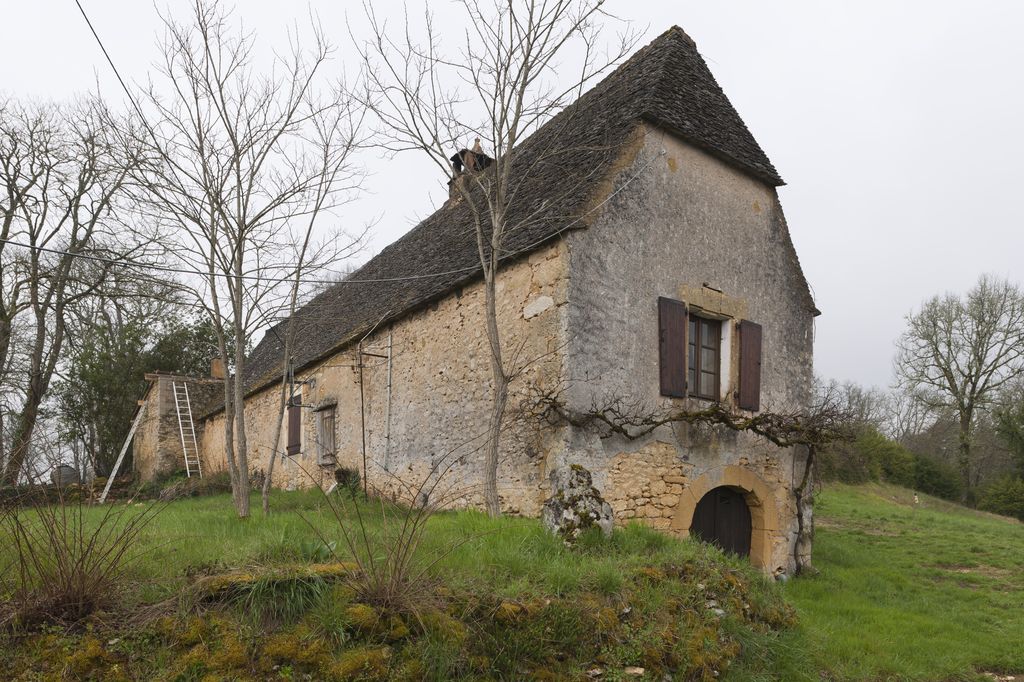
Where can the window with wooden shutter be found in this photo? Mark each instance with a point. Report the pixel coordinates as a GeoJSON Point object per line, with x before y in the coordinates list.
{"type": "Point", "coordinates": [325, 436]}
{"type": "Point", "coordinates": [294, 427]}
{"type": "Point", "coordinates": [750, 366]}
{"type": "Point", "coordinates": [672, 347]}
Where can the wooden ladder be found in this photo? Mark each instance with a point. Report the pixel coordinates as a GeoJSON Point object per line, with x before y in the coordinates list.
{"type": "Point", "coordinates": [186, 428]}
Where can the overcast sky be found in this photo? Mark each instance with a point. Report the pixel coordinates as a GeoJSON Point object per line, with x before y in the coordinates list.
{"type": "Point", "coordinates": [897, 126]}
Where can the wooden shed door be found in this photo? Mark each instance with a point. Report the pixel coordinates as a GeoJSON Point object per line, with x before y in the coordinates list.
{"type": "Point", "coordinates": [723, 518]}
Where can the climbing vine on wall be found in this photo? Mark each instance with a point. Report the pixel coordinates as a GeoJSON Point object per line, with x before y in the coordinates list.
{"type": "Point", "coordinates": [824, 421]}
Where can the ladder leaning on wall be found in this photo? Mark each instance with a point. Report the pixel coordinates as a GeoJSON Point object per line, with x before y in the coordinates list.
{"type": "Point", "coordinates": [187, 430]}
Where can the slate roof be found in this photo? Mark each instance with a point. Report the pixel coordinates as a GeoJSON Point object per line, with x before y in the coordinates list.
{"type": "Point", "coordinates": [666, 83]}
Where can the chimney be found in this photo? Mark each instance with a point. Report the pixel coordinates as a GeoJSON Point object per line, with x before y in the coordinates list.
{"type": "Point", "coordinates": [217, 368]}
{"type": "Point", "coordinates": [466, 161]}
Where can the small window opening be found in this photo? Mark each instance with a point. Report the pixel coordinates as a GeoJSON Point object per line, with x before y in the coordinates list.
{"type": "Point", "coordinates": [704, 357]}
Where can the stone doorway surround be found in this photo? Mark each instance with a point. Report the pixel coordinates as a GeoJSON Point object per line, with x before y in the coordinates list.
{"type": "Point", "coordinates": [759, 496]}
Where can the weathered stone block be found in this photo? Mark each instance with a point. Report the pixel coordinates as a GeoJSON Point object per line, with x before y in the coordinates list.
{"type": "Point", "coordinates": [575, 505]}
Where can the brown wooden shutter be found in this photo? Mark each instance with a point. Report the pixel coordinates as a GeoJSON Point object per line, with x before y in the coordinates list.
{"type": "Point", "coordinates": [672, 346]}
{"type": "Point", "coordinates": [294, 427]}
{"type": "Point", "coordinates": [750, 365]}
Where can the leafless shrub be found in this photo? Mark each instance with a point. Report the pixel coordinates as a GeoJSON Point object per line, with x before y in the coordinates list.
{"type": "Point", "coordinates": [384, 534]}
{"type": "Point", "coordinates": [66, 562]}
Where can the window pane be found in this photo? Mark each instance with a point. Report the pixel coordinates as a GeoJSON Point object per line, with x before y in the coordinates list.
{"type": "Point", "coordinates": [707, 384]}
{"type": "Point", "coordinates": [692, 335]}
{"type": "Point", "coordinates": [691, 356]}
{"type": "Point", "coordinates": [707, 359]}
{"type": "Point", "coordinates": [708, 336]}
{"type": "Point", "coordinates": [690, 380]}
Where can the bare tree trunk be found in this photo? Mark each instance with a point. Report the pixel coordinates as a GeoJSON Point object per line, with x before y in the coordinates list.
{"type": "Point", "coordinates": [964, 454]}
{"type": "Point", "coordinates": [804, 494]}
{"type": "Point", "coordinates": [21, 443]}
{"type": "Point", "coordinates": [244, 156]}
{"type": "Point", "coordinates": [511, 52]}
{"type": "Point", "coordinates": [241, 452]}
{"type": "Point", "coordinates": [42, 368]}
{"type": "Point", "coordinates": [499, 394]}
{"type": "Point", "coordinates": [273, 455]}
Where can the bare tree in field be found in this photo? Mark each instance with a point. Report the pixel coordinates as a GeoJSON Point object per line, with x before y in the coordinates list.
{"type": "Point", "coordinates": [505, 77]}
{"type": "Point", "coordinates": [958, 352]}
{"type": "Point", "coordinates": [252, 161]}
{"type": "Point", "coordinates": [64, 173]}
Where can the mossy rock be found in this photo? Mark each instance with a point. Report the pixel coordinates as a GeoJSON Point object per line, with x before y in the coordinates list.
{"type": "Point", "coordinates": [89, 659]}
{"type": "Point", "coordinates": [509, 612]}
{"type": "Point", "coordinates": [440, 625]}
{"type": "Point", "coordinates": [651, 573]}
{"type": "Point", "coordinates": [296, 647]}
{"type": "Point", "coordinates": [236, 582]}
{"type": "Point", "coordinates": [362, 617]}
{"type": "Point", "coordinates": [362, 663]}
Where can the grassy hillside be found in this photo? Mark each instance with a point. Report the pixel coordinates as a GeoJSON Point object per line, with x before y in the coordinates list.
{"type": "Point", "coordinates": [211, 597]}
{"type": "Point", "coordinates": [934, 593]}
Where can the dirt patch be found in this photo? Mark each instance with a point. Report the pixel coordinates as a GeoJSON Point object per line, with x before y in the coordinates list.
{"type": "Point", "coordinates": [866, 529]}
{"type": "Point", "coordinates": [987, 571]}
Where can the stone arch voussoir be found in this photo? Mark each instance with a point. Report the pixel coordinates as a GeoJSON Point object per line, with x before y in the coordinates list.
{"type": "Point", "coordinates": [759, 496]}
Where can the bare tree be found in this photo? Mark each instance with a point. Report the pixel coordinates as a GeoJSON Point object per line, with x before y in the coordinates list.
{"type": "Point", "coordinates": [906, 417]}
{"type": "Point", "coordinates": [506, 79]}
{"type": "Point", "coordinates": [251, 162]}
{"type": "Point", "coordinates": [65, 172]}
{"type": "Point", "coordinates": [958, 352]}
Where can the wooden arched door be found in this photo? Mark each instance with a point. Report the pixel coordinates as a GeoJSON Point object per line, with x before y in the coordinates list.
{"type": "Point", "coordinates": [722, 517]}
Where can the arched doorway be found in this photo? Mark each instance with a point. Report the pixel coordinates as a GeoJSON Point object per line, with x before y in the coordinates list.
{"type": "Point", "coordinates": [722, 518]}
{"type": "Point", "coordinates": [766, 551]}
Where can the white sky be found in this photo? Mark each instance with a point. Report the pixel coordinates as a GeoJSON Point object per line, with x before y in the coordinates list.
{"type": "Point", "coordinates": [896, 124]}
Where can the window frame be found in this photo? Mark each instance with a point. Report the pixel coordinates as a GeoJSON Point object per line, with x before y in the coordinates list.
{"type": "Point", "coordinates": [694, 338]}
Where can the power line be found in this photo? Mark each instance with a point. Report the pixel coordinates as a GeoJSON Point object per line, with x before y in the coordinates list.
{"type": "Point", "coordinates": [116, 72]}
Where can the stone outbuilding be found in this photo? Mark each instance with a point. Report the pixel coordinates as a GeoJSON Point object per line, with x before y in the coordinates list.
{"type": "Point", "coordinates": [651, 264]}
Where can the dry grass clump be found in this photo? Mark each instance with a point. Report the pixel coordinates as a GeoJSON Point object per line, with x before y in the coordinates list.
{"type": "Point", "coordinates": [394, 572]}
{"type": "Point", "coordinates": [67, 565]}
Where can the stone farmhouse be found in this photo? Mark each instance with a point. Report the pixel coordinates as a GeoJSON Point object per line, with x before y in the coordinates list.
{"type": "Point", "coordinates": [652, 263]}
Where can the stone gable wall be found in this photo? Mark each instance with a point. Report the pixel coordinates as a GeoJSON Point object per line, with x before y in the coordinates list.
{"type": "Point", "coordinates": [685, 220]}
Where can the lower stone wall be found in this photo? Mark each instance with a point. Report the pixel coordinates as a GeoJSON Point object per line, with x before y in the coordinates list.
{"type": "Point", "coordinates": [658, 481]}
{"type": "Point", "coordinates": [645, 485]}
{"type": "Point", "coordinates": [425, 403]}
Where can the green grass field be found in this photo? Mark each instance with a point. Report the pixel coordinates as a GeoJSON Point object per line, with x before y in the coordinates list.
{"type": "Point", "coordinates": [934, 593]}
{"type": "Point", "coordinates": [504, 600]}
